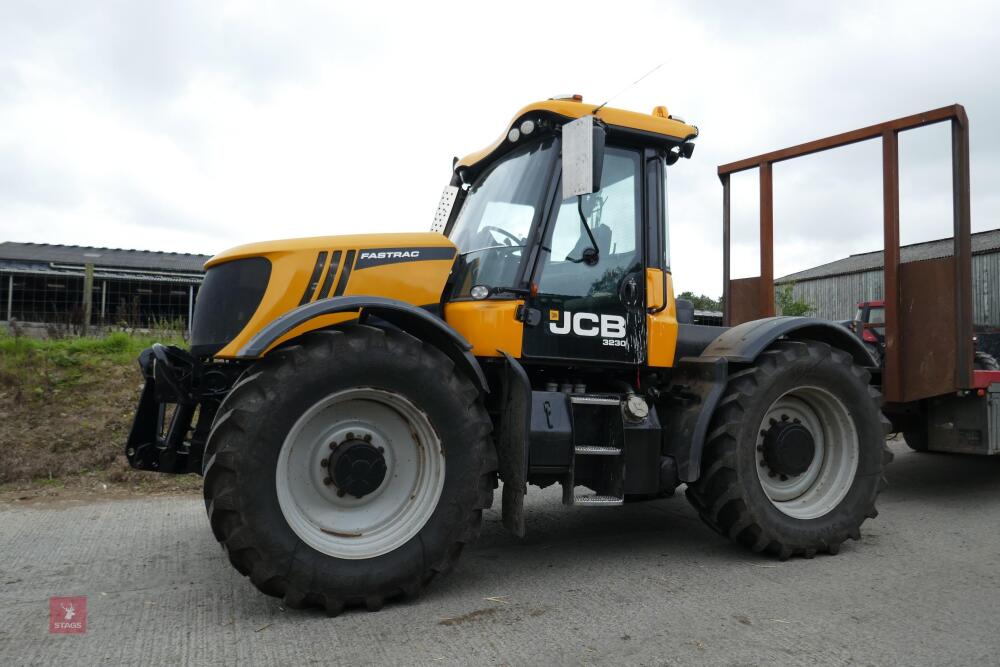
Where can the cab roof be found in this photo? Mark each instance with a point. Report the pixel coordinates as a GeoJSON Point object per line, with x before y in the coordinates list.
{"type": "Point", "coordinates": [658, 123]}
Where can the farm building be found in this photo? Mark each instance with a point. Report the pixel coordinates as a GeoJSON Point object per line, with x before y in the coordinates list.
{"type": "Point", "coordinates": [41, 283]}
{"type": "Point", "coordinates": [835, 289]}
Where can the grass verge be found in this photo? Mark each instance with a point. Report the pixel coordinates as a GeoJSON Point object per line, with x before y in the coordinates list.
{"type": "Point", "coordinates": [66, 407]}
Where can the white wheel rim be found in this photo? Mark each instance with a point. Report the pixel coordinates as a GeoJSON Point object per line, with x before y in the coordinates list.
{"type": "Point", "coordinates": [824, 484]}
{"type": "Point", "coordinates": [386, 518]}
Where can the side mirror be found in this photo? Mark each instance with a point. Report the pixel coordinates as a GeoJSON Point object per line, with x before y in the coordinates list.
{"type": "Point", "coordinates": [582, 157]}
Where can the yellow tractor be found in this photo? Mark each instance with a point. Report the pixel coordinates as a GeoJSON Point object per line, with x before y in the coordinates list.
{"type": "Point", "coordinates": [352, 401]}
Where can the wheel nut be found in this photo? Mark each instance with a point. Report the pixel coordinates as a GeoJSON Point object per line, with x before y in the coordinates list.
{"type": "Point", "coordinates": [381, 450]}
{"type": "Point", "coordinates": [350, 435]}
{"type": "Point", "coordinates": [367, 437]}
{"type": "Point", "coordinates": [771, 473]}
{"type": "Point", "coordinates": [784, 418]}
{"type": "Point", "coordinates": [334, 445]}
{"type": "Point", "coordinates": [325, 462]}
{"type": "Point", "coordinates": [784, 478]}
{"type": "Point", "coordinates": [341, 493]}
{"type": "Point", "coordinates": [328, 481]}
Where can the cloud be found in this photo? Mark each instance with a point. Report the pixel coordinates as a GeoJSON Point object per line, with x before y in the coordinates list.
{"type": "Point", "coordinates": [195, 126]}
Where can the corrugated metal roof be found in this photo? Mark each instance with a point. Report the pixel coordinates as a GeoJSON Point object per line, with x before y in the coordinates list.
{"type": "Point", "coordinates": [981, 242]}
{"type": "Point", "coordinates": [148, 260]}
{"type": "Point", "coordinates": [39, 269]}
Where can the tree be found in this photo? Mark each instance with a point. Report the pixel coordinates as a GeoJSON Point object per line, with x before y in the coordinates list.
{"type": "Point", "coordinates": [702, 302]}
{"type": "Point", "coordinates": [787, 304]}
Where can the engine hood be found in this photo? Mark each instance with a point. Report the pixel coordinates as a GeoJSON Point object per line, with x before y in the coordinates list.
{"type": "Point", "coordinates": [397, 242]}
{"type": "Point", "coordinates": [408, 267]}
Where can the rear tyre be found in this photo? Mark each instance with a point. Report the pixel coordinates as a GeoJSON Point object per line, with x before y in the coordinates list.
{"type": "Point", "coordinates": [795, 453]}
{"type": "Point", "coordinates": [985, 362]}
{"type": "Point", "coordinates": [916, 439]}
{"type": "Point", "coordinates": [349, 468]}
{"type": "Point", "coordinates": [876, 354]}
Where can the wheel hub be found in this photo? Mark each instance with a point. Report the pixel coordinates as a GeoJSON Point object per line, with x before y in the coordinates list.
{"type": "Point", "coordinates": [788, 448]}
{"type": "Point", "coordinates": [357, 467]}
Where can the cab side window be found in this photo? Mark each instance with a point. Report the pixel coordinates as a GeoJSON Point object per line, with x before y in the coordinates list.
{"type": "Point", "coordinates": [613, 215]}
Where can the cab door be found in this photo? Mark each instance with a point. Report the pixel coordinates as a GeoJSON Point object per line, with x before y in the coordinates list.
{"type": "Point", "coordinates": [590, 306]}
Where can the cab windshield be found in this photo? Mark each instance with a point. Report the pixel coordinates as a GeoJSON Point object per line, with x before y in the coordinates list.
{"type": "Point", "coordinates": [492, 229]}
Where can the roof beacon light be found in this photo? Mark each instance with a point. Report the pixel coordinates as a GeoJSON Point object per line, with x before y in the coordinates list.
{"type": "Point", "coordinates": [660, 112]}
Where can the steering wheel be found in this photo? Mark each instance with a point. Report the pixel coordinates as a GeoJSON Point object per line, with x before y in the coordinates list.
{"type": "Point", "coordinates": [491, 228]}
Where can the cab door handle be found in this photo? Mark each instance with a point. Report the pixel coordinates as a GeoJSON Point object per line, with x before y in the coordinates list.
{"type": "Point", "coordinates": [630, 291]}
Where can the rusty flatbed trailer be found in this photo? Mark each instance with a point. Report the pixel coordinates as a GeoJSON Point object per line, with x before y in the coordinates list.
{"type": "Point", "coordinates": [931, 391]}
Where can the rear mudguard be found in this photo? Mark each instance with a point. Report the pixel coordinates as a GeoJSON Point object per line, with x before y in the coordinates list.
{"type": "Point", "coordinates": [700, 382]}
{"type": "Point", "coordinates": [742, 343]}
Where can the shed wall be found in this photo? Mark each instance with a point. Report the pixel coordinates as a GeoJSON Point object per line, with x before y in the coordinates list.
{"type": "Point", "coordinates": [837, 297]}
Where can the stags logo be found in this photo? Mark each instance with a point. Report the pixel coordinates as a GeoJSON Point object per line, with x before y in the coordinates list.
{"type": "Point", "coordinates": [587, 324]}
{"type": "Point", "coordinates": [68, 615]}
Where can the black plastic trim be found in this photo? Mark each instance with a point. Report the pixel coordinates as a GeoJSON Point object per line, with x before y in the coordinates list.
{"type": "Point", "coordinates": [412, 319]}
{"type": "Point", "coordinates": [313, 283]}
{"type": "Point", "coordinates": [229, 296]}
{"type": "Point", "coordinates": [324, 291]}
{"type": "Point", "coordinates": [345, 274]}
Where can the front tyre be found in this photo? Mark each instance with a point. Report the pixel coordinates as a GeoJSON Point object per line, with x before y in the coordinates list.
{"type": "Point", "coordinates": [349, 468]}
{"type": "Point", "coordinates": [795, 453]}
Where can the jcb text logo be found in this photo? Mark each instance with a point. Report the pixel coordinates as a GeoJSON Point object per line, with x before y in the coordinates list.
{"type": "Point", "coordinates": [587, 324]}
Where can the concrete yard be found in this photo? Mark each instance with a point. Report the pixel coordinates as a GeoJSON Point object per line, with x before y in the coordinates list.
{"type": "Point", "coordinates": [643, 584]}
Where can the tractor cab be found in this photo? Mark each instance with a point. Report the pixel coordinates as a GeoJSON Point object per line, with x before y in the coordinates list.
{"type": "Point", "coordinates": [563, 222]}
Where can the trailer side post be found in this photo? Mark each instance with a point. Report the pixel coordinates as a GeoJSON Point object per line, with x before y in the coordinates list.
{"type": "Point", "coordinates": [963, 248]}
{"type": "Point", "coordinates": [766, 241]}
{"type": "Point", "coordinates": [892, 379]}
{"type": "Point", "coordinates": [726, 300]}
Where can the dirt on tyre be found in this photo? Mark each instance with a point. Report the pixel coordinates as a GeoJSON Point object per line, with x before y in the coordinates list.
{"type": "Point", "coordinates": [349, 468]}
{"type": "Point", "coordinates": [795, 454]}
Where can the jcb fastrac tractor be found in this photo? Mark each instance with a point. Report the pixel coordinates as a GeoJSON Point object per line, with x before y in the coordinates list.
{"type": "Point", "coordinates": [353, 400]}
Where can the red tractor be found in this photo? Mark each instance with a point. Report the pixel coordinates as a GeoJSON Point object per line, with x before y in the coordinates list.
{"type": "Point", "coordinates": [869, 324]}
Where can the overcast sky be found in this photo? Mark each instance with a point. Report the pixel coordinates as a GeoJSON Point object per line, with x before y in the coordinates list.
{"type": "Point", "coordinates": [194, 126]}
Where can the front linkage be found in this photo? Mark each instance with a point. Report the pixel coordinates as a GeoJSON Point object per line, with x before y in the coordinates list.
{"type": "Point", "coordinates": [175, 377]}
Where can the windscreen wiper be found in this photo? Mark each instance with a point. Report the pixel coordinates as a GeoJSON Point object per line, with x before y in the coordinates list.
{"type": "Point", "coordinates": [591, 254]}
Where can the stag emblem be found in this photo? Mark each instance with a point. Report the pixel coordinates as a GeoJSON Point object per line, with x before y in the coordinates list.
{"type": "Point", "coordinates": [69, 611]}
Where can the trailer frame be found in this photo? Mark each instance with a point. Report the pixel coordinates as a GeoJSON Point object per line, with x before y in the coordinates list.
{"type": "Point", "coordinates": [929, 301]}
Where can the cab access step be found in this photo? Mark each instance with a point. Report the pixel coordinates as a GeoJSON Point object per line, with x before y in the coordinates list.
{"type": "Point", "coordinates": [608, 443]}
